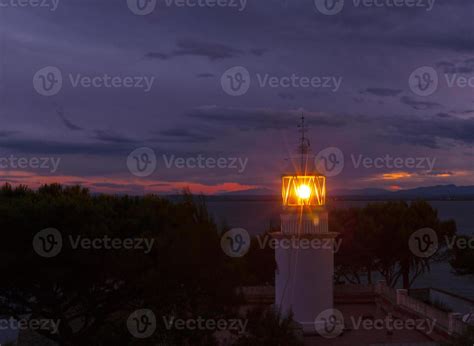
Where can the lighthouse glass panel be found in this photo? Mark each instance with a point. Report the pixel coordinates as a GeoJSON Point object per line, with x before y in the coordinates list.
{"type": "Point", "coordinates": [301, 190]}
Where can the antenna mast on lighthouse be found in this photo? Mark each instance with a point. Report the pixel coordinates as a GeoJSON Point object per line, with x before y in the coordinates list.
{"type": "Point", "coordinates": [304, 146]}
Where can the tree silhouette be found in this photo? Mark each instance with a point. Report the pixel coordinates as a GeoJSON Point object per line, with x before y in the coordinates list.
{"type": "Point", "coordinates": [93, 291]}
{"type": "Point", "coordinates": [376, 238]}
{"type": "Point", "coordinates": [462, 258]}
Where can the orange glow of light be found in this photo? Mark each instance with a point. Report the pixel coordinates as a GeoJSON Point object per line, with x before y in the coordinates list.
{"type": "Point", "coordinates": [442, 175]}
{"type": "Point", "coordinates": [396, 175]}
{"type": "Point", "coordinates": [303, 190]}
{"type": "Point", "coordinates": [117, 184]}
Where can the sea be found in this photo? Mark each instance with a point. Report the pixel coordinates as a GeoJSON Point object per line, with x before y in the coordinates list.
{"type": "Point", "coordinates": [258, 215]}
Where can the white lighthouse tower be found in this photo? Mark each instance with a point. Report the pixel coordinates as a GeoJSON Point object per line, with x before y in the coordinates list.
{"type": "Point", "coordinates": [305, 257]}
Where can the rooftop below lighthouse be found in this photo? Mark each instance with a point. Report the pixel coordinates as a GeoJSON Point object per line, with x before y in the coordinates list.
{"type": "Point", "coordinates": [373, 305]}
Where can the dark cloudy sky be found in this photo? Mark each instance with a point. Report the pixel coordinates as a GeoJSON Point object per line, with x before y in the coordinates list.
{"type": "Point", "coordinates": [373, 51]}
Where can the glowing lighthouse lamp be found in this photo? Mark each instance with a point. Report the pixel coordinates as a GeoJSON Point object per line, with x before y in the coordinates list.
{"type": "Point", "coordinates": [304, 277]}
{"type": "Point", "coordinates": [304, 198]}
{"type": "Point", "coordinates": [305, 190]}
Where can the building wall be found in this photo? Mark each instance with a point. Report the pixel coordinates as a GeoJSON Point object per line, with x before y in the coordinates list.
{"type": "Point", "coordinates": [304, 282]}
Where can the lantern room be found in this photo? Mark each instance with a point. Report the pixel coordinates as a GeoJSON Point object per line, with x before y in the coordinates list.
{"type": "Point", "coordinates": [303, 190]}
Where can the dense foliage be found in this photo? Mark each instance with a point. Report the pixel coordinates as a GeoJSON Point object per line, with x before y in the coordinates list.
{"type": "Point", "coordinates": [93, 291]}
{"type": "Point", "coordinates": [186, 274]}
{"type": "Point", "coordinates": [375, 239]}
{"type": "Point", "coordinates": [462, 258]}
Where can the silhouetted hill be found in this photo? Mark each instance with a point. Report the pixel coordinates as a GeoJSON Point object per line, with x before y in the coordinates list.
{"type": "Point", "coordinates": [444, 192]}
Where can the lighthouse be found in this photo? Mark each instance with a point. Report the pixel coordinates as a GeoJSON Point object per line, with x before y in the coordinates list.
{"type": "Point", "coordinates": [305, 259]}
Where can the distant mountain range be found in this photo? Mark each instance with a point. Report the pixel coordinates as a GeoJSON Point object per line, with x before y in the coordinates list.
{"type": "Point", "coordinates": [429, 192]}
{"type": "Point", "coordinates": [251, 192]}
